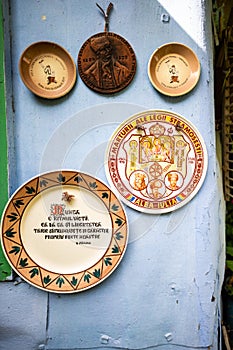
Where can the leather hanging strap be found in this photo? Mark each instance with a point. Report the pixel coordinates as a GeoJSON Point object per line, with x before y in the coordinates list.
{"type": "Point", "coordinates": [106, 15]}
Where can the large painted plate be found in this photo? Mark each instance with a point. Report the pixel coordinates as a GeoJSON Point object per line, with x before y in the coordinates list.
{"type": "Point", "coordinates": [64, 231]}
{"type": "Point", "coordinates": [157, 161]}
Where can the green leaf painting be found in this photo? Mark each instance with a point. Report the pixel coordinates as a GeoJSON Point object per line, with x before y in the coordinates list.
{"type": "Point", "coordinates": [43, 183]}
{"type": "Point", "coordinates": [23, 262]}
{"type": "Point", "coordinates": [34, 272]}
{"type": "Point", "coordinates": [60, 281]}
{"type": "Point", "coordinates": [18, 203]}
{"type": "Point", "coordinates": [78, 179]}
{"type": "Point", "coordinates": [119, 236]}
{"type": "Point", "coordinates": [10, 233]}
{"type": "Point", "coordinates": [87, 278]}
{"type": "Point", "coordinates": [108, 261]}
{"type": "Point", "coordinates": [15, 250]}
{"type": "Point", "coordinates": [30, 190]}
{"type": "Point", "coordinates": [93, 185]}
{"type": "Point", "coordinates": [96, 273]}
{"type": "Point", "coordinates": [47, 279]}
{"type": "Point", "coordinates": [118, 222]}
{"type": "Point", "coordinates": [12, 216]}
{"type": "Point", "coordinates": [74, 281]}
{"type": "Point", "coordinates": [61, 178]}
{"type": "Point", "coordinates": [115, 207]}
{"type": "Point", "coordinates": [115, 249]}
{"type": "Point", "coordinates": [105, 195]}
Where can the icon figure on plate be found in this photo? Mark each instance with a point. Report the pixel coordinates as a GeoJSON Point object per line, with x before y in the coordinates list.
{"type": "Point", "coordinates": [50, 74]}
{"type": "Point", "coordinates": [156, 161]}
{"type": "Point", "coordinates": [174, 74]}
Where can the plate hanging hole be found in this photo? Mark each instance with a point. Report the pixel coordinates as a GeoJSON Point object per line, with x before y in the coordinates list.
{"type": "Point", "coordinates": [165, 18]}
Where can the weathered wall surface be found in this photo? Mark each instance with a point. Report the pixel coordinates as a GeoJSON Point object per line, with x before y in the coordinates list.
{"type": "Point", "coordinates": [166, 292]}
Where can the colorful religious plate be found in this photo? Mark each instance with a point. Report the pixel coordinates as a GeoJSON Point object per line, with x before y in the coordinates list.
{"type": "Point", "coordinates": [64, 231]}
{"type": "Point", "coordinates": [47, 69]}
{"type": "Point", "coordinates": [157, 161]}
{"type": "Point", "coordinates": [106, 61]}
{"type": "Point", "coordinates": [174, 69]}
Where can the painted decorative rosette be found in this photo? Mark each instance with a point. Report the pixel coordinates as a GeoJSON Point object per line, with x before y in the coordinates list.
{"type": "Point", "coordinates": [64, 231]}
{"type": "Point", "coordinates": [157, 161]}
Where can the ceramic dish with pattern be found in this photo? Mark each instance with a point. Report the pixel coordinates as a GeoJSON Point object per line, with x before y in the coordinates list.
{"type": "Point", "coordinates": [47, 69]}
{"type": "Point", "coordinates": [157, 161]}
{"type": "Point", "coordinates": [174, 69]}
{"type": "Point", "coordinates": [64, 231]}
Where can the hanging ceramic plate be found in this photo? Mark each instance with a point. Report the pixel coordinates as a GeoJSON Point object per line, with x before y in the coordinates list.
{"type": "Point", "coordinates": [157, 161]}
{"type": "Point", "coordinates": [47, 69]}
{"type": "Point", "coordinates": [64, 231]}
{"type": "Point", "coordinates": [174, 69]}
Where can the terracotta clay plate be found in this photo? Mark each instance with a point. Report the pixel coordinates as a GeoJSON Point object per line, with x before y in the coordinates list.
{"type": "Point", "coordinates": [64, 231]}
{"type": "Point", "coordinates": [47, 69]}
{"type": "Point", "coordinates": [174, 69]}
{"type": "Point", "coordinates": [157, 161]}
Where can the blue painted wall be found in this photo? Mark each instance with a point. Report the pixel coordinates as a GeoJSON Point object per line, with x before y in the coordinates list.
{"type": "Point", "coordinates": [166, 291]}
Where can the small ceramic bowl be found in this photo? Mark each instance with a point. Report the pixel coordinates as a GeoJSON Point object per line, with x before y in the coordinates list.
{"type": "Point", "coordinates": [47, 69]}
{"type": "Point", "coordinates": [174, 69]}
